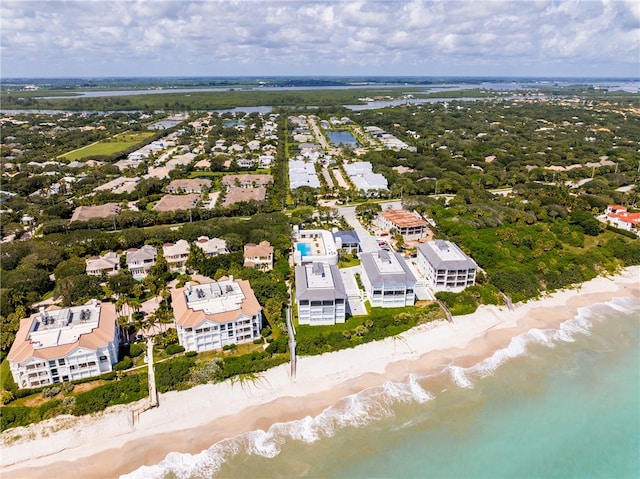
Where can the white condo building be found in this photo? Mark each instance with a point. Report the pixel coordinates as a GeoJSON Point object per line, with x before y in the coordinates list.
{"type": "Point", "coordinates": [387, 280]}
{"type": "Point", "coordinates": [211, 315]}
{"type": "Point", "coordinates": [445, 266]}
{"type": "Point", "coordinates": [56, 345]}
{"type": "Point", "coordinates": [320, 294]}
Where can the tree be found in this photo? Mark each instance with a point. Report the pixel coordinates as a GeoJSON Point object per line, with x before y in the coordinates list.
{"type": "Point", "coordinates": [77, 289]}
{"type": "Point", "coordinates": [71, 267]}
{"type": "Point", "coordinates": [10, 326]}
{"type": "Point", "coordinates": [122, 283]}
{"type": "Point", "coordinates": [273, 314]}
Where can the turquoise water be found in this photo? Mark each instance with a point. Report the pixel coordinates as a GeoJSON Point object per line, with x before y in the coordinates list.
{"type": "Point", "coordinates": [554, 404]}
{"type": "Point", "coordinates": [304, 248]}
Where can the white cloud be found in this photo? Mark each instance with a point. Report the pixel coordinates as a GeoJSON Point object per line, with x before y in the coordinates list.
{"type": "Point", "coordinates": [285, 37]}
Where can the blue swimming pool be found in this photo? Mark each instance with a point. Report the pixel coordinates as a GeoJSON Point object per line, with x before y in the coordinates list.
{"type": "Point", "coordinates": [304, 249]}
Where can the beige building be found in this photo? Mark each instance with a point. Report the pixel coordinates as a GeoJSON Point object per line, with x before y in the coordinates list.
{"type": "Point", "coordinates": [211, 247]}
{"type": "Point", "coordinates": [177, 202]}
{"type": "Point", "coordinates": [196, 185]}
{"type": "Point", "coordinates": [140, 261]}
{"type": "Point", "coordinates": [212, 315]}
{"type": "Point", "coordinates": [108, 264]}
{"type": "Point", "coordinates": [86, 213]}
{"type": "Point", "coordinates": [246, 181]}
{"type": "Point", "coordinates": [259, 256]}
{"type": "Point", "coordinates": [56, 345]}
{"type": "Point", "coordinates": [176, 255]}
{"type": "Point", "coordinates": [402, 222]}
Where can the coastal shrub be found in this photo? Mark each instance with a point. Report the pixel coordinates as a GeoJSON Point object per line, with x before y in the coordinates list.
{"type": "Point", "coordinates": [206, 371]}
{"type": "Point", "coordinates": [257, 341]}
{"type": "Point", "coordinates": [110, 376]}
{"type": "Point", "coordinates": [229, 347]}
{"type": "Point", "coordinates": [7, 397]}
{"type": "Point", "coordinates": [628, 234]}
{"type": "Point", "coordinates": [174, 374]}
{"type": "Point", "coordinates": [126, 363]}
{"type": "Point", "coordinates": [174, 349]}
{"type": "Point", "coordinates": [191, 354]}
{"type": "Point", "coordinates": [67, 387]}
{"type": "Point", "coordinates": [51, 391]}
{"type": "Point", "coordinates": [135, 350]}
{"type": "Point", "coordinates": [14, 417]}
{"type": "Point", "coordinates": [128, 389]}
{"type": "Point", "coordinates": [49, 409]}
{"type": "Point", "coordinates": [249, 363]}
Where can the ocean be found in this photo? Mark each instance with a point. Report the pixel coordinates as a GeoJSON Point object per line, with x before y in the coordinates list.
{"type": "Point", "coordinates": [556, 403]}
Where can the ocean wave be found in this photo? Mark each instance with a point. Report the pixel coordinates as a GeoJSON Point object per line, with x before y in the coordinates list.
{"type": "Point", "coordinates": [372, 404]}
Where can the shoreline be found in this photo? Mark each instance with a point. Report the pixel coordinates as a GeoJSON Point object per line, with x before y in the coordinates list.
{"type": "Point", "coordinates": [193, 420]}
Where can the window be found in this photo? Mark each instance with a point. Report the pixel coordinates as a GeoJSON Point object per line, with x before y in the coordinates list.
{"type": "Point", "coordinates": [61, 362]}
{"type": "Point", "coordinates": [103, 358]}
{"type": "Point", "coordinates": [230, 333]}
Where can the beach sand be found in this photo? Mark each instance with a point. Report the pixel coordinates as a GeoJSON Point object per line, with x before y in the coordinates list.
{"type": "Point", "coordinates": [110, 444]}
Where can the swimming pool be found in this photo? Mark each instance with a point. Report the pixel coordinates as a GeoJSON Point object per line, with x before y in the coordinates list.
{"type": "Point", "coordinates": [304, 248]}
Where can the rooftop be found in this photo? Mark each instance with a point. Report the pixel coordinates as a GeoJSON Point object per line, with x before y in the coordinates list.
{"type": "Point", "coordinates": [445, 254]}
{"type": "Point", "coordinates": [55, 332]}
{"type": "Point", "coordinates": [403, 218]}
{"type": "Point", "coordinates": [316, 281]}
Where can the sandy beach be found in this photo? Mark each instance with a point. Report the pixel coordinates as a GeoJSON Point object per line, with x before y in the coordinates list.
{"type": "Point", "coordinates": [111, 443]}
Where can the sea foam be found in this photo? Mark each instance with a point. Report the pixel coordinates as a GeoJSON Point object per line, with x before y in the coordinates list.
{"type": "Point", "coordinates": [372, 404]}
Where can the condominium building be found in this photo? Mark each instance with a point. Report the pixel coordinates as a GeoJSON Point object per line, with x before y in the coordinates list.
{"type": "Point", "coordinates": [387, 280]}
{"type": "Point", "coordinates": [320, 294]}
{"type": "Point", "coordinates": [56, 345]}
{"type": "Point", "coordinates": [445, 266]}
{"type": "Point", "coordinates": [211, 315]}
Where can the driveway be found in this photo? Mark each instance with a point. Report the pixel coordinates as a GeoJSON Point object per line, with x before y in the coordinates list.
{"type": "Point", "coordinates": [367, 242]}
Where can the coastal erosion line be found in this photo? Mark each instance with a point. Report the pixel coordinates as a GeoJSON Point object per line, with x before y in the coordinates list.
{"type": "Point", "coordinates": [93, 442]}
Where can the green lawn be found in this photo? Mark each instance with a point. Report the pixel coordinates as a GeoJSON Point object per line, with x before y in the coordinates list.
{"type": "Point", "coordinates": [110, 146]}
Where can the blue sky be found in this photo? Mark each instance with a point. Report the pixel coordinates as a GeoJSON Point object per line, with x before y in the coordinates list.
{"type": "Point", "coordinates": [88, 38]}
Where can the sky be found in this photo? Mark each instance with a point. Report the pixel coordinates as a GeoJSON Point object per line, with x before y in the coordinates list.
{"type": "Point", "coordinates": [115, 38]}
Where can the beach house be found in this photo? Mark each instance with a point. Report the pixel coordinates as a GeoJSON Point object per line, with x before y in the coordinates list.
{"type": "Point", "coordinates": [445, 266]}
{"type": "Point", "coordinates": [387, 280]}
{"type": "Point", "coordinates": [215, 314]}
{"type": "Point", "coordinates": [176, 255]}
{"type": "Point", "coordinates": [108, 264]}
{"type": "Point", "coordinates": [140, 261]}
{"type": "Point", "coordinates": [619, 217]}
{"type": "Point", "coordinates": [258, 256]}
{"type": "Point", "coordinates": [320, 294]}
{"type": "Point", "coordinates": [64, 344]}
{"type": "Point", "coordinates": [211, 247]}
